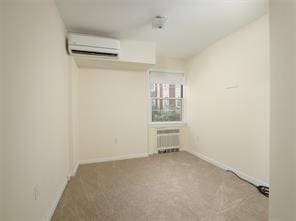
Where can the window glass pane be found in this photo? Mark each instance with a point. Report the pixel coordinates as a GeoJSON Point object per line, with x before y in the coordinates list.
{"type": "Point", "coordinates": [166, 90]}
{"type": "Point", "coordinates": [178, 91]}
{"type": "Point", "coordinates": [153, 90]}
{"type": "Point", "coordinates": [167, 109]}
{"type": "Point", "coordinates": [166, 93]}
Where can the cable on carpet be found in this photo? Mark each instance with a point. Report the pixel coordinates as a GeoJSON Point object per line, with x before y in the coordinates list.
{"type": "Point", "coordinates": [262, 189]}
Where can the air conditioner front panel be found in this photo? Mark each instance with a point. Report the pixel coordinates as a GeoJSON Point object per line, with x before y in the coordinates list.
{"type": "Point", "coordinates": [93, 41]}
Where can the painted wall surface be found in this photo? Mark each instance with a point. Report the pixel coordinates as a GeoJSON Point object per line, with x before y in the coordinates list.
{"type": "Point", "coordinates": [170, 64]}
{"type": "Point", "coordinates": [1, 107]}
{"type": "Point", "coordinates": [73, 114]}
{"type": "Point", "coordinates": [137, 52]}
{"type": "Point", "coordinates": [35, 108]}
{"type": "Point", "coordinates": [112, 113]}
{"type": "Point", "coordinates": [282, 146]}
{"type": "Point", "coordinates": [228, 100]}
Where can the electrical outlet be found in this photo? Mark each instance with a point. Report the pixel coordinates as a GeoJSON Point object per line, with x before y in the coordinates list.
{"type": "Point", "coordinates": [116, 141]}
{"type": "Point", "coordinates": [36, 193]}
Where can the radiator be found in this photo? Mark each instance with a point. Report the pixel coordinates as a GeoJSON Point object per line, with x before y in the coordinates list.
{"type": "Point", "coordinates": [168, 140]}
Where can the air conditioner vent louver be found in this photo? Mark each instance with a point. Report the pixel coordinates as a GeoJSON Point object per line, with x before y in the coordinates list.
{"type": "Point", "coordinates": [94, 53]}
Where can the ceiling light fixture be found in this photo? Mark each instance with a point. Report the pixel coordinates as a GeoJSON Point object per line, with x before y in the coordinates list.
{"type": "Point", "coordinates": [159, 22]}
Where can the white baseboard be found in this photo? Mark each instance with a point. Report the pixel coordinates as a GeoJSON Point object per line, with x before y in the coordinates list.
{"type": "Point", "coordinates": [57, 200]}
{"type": "Point", "coordinates": [113, 158]}
{"type": "Point", "coordinates": [216, 163]}
{"type": "Point", "coordinates": [74, 171]}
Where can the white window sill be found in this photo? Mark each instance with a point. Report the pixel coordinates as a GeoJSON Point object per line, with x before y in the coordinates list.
{"type": "Point", "coordinates": [166, 124]}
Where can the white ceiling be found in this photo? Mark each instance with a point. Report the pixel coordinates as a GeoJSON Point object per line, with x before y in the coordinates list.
{"type": "Point", "coordinates": [192, 24]}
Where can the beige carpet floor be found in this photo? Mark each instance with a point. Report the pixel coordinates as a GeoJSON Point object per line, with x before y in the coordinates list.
{"type": "Point", "coordinates": [166, 187]}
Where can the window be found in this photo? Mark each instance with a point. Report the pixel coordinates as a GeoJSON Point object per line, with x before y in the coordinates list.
{"type": "Point", "coordinates": [166, 96]}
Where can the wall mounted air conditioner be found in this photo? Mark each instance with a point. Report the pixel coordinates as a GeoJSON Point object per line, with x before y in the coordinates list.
{"type": "Point", "coordinates": [79, 44]}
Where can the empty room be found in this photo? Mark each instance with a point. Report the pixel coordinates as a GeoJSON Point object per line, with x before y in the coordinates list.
{"type": "Point", "coordinates": [131, 110]}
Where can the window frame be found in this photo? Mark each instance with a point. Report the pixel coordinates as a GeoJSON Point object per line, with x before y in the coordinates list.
{"type": "Point", "coordinates": [166, 123]}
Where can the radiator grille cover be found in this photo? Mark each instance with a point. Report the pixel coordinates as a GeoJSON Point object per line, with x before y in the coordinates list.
{"type": "Point", "coordinates": [171, 131]}
{"type": "Point", "coordinates": [167, 139]}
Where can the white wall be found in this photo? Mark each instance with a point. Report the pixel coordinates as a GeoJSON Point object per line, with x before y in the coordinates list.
{"type": "Point", "coordinates": [97, 86]}
{"type": "Point", "coordinates": [282, 146]}
{"type": "Point", "coordinates": [1, 106]}
{"type": "Point", "coordinates": [73, 115]}
{"type": "Point", "coordinates": [35, 108]}
{"type": "Point", "coordinates": [170, 64]}
{"type": "Point", "coordinates": [137, 52]}
{"type": "Point", "coordinates": [113, 113]}
{"type": "Point", "coordinates": [231, 126]}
